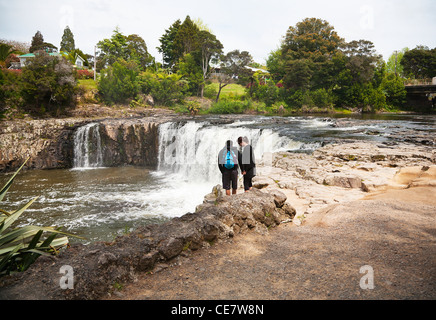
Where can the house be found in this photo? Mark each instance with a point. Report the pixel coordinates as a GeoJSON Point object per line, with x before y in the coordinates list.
{"type": "Point", "coordinates": [24, 59]}
{"type": "Point", "coordinates": [80, 62]}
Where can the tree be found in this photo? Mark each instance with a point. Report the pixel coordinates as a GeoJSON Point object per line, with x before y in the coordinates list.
{"type": "Point", "coordinates": [274, 64]}
{"type": "Point", "coordinates": [211, 48]}
{"type": "Point", "coordinates": [233, 68]}
{"type": "Point", "coordinates": [420, 62]}
{"type": "Point", "coordinates": [393, 65]}
{"type": "Point", "coordinates": [132, 47]}
{"type": "Point", "coordinates": [186, 39]}
{"type": "Point", "coordinates": [168, 47]}
{"type": "Point", "coordinates": [190, 70]}
{"type": "Point", "coordinates": [312, 38]}
{"type": "Point", "coordinates": [37, 42]}
{"type": "Point", "coordinates": [47, 83]}
{"type": "Point", "coordinates": [362, 59]}
{"type": "Point", "coordinates": [67, 43]}
{"type": "Point", "coordinates": [307, 53]}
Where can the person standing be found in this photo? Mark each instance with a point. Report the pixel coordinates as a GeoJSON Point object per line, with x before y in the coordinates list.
{"type": "Point", "coordinates": [228, 164]}
{"type": "Point", "coordinates": [247, 162]}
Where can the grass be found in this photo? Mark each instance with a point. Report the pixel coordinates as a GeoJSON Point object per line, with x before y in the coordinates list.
{"type": "Point", "coordinates": [88, 84]}
{"type": "Point", "coordinates": [232, 90]}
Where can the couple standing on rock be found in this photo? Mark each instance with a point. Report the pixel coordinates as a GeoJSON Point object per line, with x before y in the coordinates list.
{"type": "Point", "coordinates": [230, 158]}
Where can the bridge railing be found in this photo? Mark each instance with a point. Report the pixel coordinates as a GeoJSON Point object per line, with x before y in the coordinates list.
{"type": "Point", "coordinates": [418, 82]}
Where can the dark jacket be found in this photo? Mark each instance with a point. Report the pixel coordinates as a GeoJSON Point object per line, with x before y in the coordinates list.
{"type": "Point", "coordinates": [221, 159]}
{"type": "Point", "coordinates": [247, 161]}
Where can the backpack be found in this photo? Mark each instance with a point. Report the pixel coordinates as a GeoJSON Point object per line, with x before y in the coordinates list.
{"type": "Point", "coordinates": [230, 159]}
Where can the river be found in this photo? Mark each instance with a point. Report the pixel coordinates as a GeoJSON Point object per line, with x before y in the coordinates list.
{"type": "Point", "coordinates": [101, 203]}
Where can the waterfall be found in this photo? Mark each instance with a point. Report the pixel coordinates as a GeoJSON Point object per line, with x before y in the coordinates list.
{"type": "Point", "coordinates": [87, 147]}
{"type": "Point", "coordinates": [191, 149]}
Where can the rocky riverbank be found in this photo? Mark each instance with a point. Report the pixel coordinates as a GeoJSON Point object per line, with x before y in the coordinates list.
{"type": "Point", "coordinates": [358, 205]}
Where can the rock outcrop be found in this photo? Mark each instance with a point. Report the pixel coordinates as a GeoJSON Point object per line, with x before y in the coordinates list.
{"type": "Point", "coordinates": [129, 142]}
{"type": "Point", "coordinates": [342, 172]}
{"type": "Point", "coordinates": [98, 267]}
{"type": "Point", "coordinates": [49, 144]}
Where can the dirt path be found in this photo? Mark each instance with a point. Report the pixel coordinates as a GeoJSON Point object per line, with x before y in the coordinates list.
{"type": "Point", "coordinates": [393, 232]}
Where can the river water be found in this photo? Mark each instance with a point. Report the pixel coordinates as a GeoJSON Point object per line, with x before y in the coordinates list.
{"type": "Point", "coordinates": [101, 203]}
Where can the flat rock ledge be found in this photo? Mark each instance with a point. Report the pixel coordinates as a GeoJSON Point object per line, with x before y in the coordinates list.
{"type": "Point", "coordinates": [98, 269]}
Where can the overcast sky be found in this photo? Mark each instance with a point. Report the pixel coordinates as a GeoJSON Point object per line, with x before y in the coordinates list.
{"type": "Point", "coordinates": [256, 26]}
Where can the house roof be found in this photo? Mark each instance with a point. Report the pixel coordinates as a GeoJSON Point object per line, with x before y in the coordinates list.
{"type": "Point", "coordinates": [32, 55]}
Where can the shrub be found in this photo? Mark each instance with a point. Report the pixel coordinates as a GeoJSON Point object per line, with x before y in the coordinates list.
{"type": "Point", "coordinates": [394, 90]}
{"type": "Point", "coordinates": [47, 83]}
{"type": "Point", "coordinates": [118, 82]}
{"type": "Point", "coordinates": [20, 247]}
{"type": "Point", "coordinates": [225, 106]}
{"type": "Point", "coordinates": [84, 74]}
{"type": "Point", "coordinates": [166, 89]}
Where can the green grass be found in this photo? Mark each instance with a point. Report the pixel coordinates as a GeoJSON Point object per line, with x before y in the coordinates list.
{"type": "Point", "coordinates": [89, 84]}
{"type": "Point", "coordinates": [230, 91]}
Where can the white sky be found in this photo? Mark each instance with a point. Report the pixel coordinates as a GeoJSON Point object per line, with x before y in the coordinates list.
{"type": "Point", "coordinates": [255, 26]}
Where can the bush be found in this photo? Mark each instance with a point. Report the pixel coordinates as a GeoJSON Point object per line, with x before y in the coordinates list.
{"type": "Point", "coordinates": [166, 89]}
{"type": "Point", "coordinates": [225, 106]}
{"type": "Point", "coordinates": [84, 74]}
{"type": "Point", "coordinates": [394, 90]}
{"type": "Point", "coordinates": [47, 84]}
{"type": "Point", "coordinates": [118, 82]}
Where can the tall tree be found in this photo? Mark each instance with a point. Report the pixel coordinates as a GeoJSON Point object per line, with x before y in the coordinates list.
{"type": "Point", "coordinates": [211, 49]}
{"type": "Point", "coordinates": [362, 60]}
{"type": "Point", "coordinates": [37, 42]}
{"type": "Point", "coordinates": [132, 47]}
{"type": "Point", "coordinates": [137, 50]}
{"type": "Point", "coordinates": [67, 43]}
{"type": "Point", "coordinates": [168, 47]}
{"type": "Point", "coordinates": [307, 53]}
{"type": "Point", "coordinates": [186, 39]}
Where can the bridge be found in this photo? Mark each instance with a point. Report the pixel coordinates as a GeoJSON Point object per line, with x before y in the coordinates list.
{"type": "Point", "coordinates": [421, 97]}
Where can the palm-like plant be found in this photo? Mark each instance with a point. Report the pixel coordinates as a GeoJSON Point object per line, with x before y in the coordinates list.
{"type": "Point", "coordinates": [5, 51]}
{"type": "Point", "coordinates": [20, 247]}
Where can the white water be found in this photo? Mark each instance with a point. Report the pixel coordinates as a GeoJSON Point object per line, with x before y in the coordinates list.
{"type": "Point", "coordinates": [87, 147]}
{"type": "Point", "coordinates": [191, 149]}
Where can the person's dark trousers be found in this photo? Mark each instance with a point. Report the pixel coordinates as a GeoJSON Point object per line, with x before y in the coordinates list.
{"type": "Point", "coordinates": [248, 182]}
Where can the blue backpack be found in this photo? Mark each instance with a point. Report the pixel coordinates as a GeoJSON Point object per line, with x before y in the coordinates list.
{"type": "Point", "coordinates": [230, 159]}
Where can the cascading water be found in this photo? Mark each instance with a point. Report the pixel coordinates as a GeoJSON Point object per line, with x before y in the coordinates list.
{"type": "Point", "coordinates": [191, 149]}
{"type": "Point", "coordinates": [87, 147]}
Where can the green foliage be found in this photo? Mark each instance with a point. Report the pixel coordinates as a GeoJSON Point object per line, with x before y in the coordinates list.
{"type": "Point", "coordinates": [227, 106]}
{"type": "Point", "coordinates": [190, 70]}
{"type": "Point", "coordinates": [166, 89]}
{"type": "Point", "coordinates": [67, 43]}
{"type": "Point", "coordinates": [394, 90]}
{"type": "Point", "coordinates": [118, 82]}
{"type": "Point", "coordinates": [419, 63]}
{"type": "Point", "coordinates": [47, 83]}
{"type": "Point", "coordinates": [128, 48]}
{"type": "Point", "coordinates": [20, 247]}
